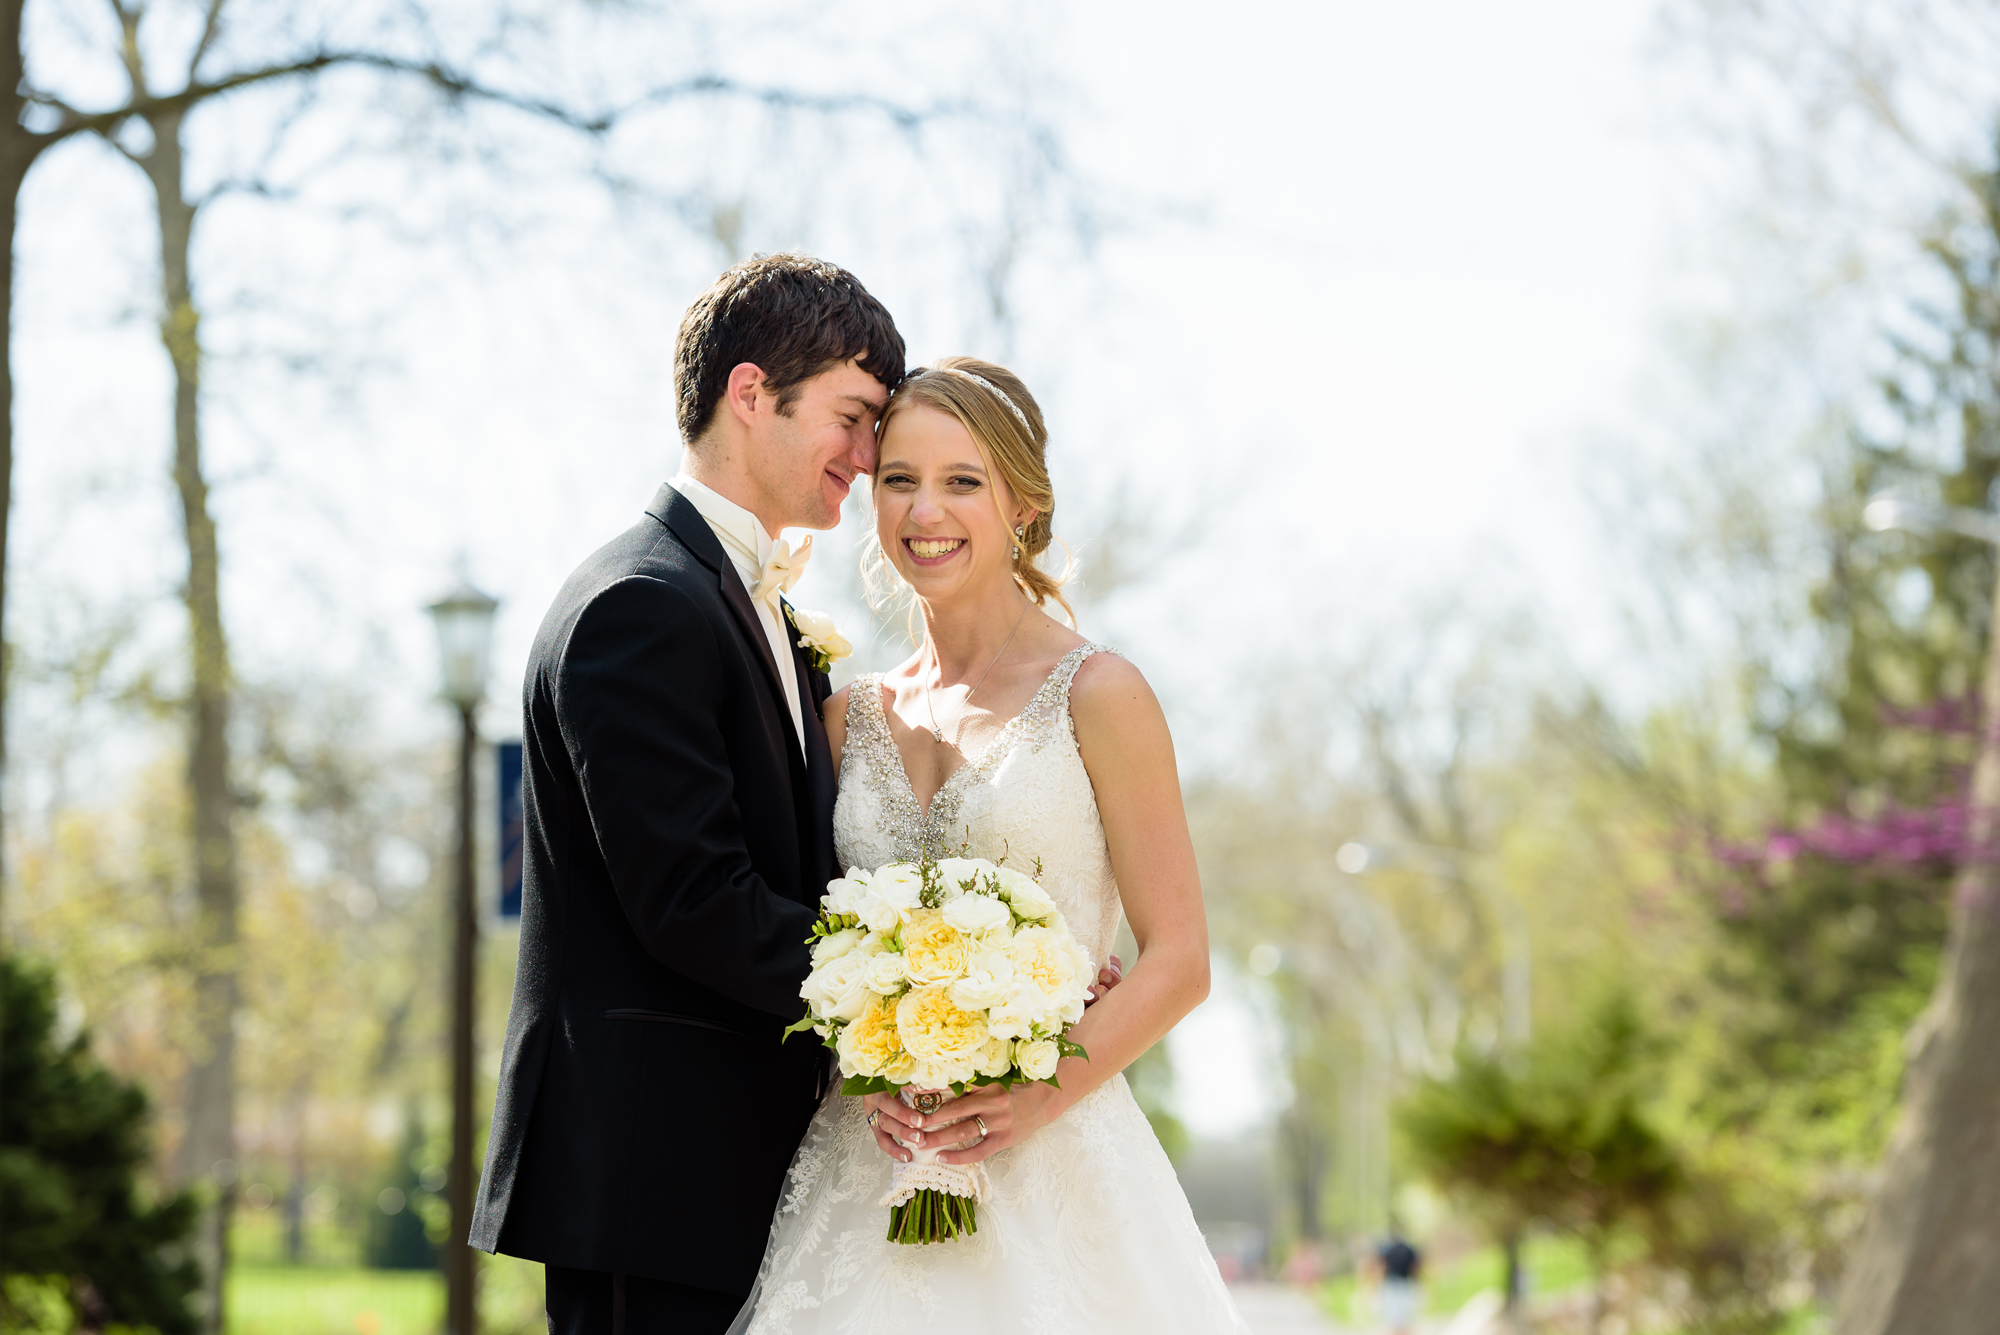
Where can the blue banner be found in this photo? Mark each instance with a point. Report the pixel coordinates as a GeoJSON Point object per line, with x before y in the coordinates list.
{"type": "Point", "coordinates": [513, 812]}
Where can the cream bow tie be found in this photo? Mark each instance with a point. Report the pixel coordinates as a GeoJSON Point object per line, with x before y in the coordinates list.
{"type": "Point", "coordinates": [781, 571]}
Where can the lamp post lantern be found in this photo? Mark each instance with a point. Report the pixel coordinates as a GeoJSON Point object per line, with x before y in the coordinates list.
{"type": "Point", "coordinates": [464, 621]}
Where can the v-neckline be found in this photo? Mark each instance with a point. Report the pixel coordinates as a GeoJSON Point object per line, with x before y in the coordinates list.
{"type": "Point", "coordinates": [925, 808]}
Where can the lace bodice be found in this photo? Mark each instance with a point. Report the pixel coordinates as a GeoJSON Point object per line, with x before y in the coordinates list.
{"type": "Point", "coordinates": [1026, 797]}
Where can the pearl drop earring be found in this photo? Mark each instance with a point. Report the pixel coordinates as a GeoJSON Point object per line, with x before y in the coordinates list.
{"type": "Point", "coordinates": [1017, 541]}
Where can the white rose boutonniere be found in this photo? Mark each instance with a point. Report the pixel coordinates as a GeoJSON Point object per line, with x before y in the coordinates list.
{"type": "Point", "coordinates": [819, 637]}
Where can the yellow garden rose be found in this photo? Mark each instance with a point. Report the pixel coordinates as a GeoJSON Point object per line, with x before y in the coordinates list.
{"type": "Point", "coordinates": [1046, 960]}
{"type": "Point", "coordinates": [933, 950]}
{"type": "Point", "coordinates": [871, 1044]}
{"type": "Point", "coordinates": [943, 1040]}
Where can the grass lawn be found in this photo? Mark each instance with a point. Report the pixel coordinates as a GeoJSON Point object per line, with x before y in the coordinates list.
{"type": "Point", "coordinates": [1553, 1265]}
{"type": "Point", "coordinates": [328, 1300]}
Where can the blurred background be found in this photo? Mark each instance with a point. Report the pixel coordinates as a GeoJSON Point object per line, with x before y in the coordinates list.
{"type": "Point", "coordinates": [1464, 414]}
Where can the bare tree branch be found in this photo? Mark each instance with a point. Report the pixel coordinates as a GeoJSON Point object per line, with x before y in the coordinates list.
{"type": "Point", "coordinates": [211, 24]}
{"type": "Point", "coordinates": [457, 84]}
{"type": "Point", "coordinates": [128, 44]}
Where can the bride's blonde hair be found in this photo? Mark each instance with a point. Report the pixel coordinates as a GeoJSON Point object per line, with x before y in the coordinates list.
{"type": "Point", "coordinates": [1005, 422]}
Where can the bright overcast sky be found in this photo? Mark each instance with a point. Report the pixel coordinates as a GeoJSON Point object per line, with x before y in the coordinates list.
{"type": "Point", "coordinates": [1414, 258]}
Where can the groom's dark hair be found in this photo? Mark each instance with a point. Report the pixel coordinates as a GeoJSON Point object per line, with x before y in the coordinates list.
{"type": "Point", "coordinates": [792, 316]}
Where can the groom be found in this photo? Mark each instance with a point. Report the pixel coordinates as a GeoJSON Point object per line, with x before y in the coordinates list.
{"type": "Point", "coordinates": [679, 798]}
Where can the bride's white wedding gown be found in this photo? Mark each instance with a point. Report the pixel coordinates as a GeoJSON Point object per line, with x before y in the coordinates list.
{"type": "Point", "coordinates": [1086, 1228]}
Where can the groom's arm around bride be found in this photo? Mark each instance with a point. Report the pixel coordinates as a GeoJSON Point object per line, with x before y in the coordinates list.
{"type": "Point", "coordinates": [678, 797]}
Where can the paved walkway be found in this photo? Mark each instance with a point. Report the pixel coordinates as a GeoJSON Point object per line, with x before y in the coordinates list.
{"type": "Point", "coordinates": [1279, 1309]}
{"type": "Point", "coordinates": [1276, 1309]}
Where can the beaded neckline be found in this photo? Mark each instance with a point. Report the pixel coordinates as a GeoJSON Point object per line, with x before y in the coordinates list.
{"type": "Point", "coordinates": [917, 832]}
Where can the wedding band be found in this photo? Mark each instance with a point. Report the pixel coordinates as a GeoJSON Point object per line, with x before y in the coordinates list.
{"type": "Point", "coordinates": [982, 1125]}
{"type": "Point", "coordinates": [871, 1120]}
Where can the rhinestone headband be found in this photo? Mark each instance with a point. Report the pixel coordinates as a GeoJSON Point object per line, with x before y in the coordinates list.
{"type": "Point", "coordinates": [992, 389]}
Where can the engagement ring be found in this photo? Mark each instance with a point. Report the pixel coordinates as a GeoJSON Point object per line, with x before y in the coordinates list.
{"type": "Point", "coordinates": [871, 1120]}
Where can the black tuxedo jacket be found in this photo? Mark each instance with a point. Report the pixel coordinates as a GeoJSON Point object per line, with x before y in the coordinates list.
{"type": "Point", "coordinates": [677, 845]}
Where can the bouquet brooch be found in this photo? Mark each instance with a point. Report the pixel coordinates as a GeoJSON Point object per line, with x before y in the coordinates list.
{"type": "Point", "coordinates": [933, 977]}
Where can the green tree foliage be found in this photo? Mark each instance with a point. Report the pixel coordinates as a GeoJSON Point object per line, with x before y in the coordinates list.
{"type": "Point", "coordinates": [397, 1238]}
{"type": "Point", "coordinates": [72, 1142]}
{"type": "Point", "coordinates": [1152, 1080]}
{"type": "Point", "coordinates": [1829, 929]}
{"type": "Point", "coordinates": [1558, 1134]}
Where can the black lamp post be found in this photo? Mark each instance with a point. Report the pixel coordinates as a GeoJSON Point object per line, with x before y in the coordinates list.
{"type": "Point", "coordinates": [464, 619]}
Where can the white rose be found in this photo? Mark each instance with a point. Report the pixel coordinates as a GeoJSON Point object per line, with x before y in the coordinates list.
{"type": "Point", "coordinates": [835, 944]}
{"type": "Point", "coordinates": [988, 980]}
{"type": "Point", "coordinates": [884, 973]}
{"type": "Point", "coordinates": [977, 914]}
{"type": "Point", "coordinates": [955, 872]}
{"type": "Point", "coordinates": [1037, 1058]}
{"type": "Point", "coordinates": [1016, 1017]}
{"type": "Point", "coordinates": [838, 989]}
{"type": "Point", "coordinates": [1028, 898]}
{"type": "Point", "coordinates": [998, 1059]}
{"type": "Point", "coordinates": [1084, 972]}
{"type": "Point", "coordinates": [878, 914]}
{"type": "Point", "coordinates": [898, 886]}
{"type": "Point", "coordinates": [844, 894]}
{"type": "Point", "coordinates": [817, 631]}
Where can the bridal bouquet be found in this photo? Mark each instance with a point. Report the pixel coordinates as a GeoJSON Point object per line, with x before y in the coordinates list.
{"type": "Point", "coordinates": [932, 977]}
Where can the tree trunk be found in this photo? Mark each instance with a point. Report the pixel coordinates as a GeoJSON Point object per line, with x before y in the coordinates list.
{"type": "Point", "coordinates": [208, 1149]}
{"type": "Point", "coordinates": [1925, 1263]}
{"type": "Point", "coordinates": [18, 150]}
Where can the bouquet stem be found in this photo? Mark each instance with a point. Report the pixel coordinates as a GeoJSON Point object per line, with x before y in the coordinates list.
{"type": "Point", "coordinates": [932, 1216]}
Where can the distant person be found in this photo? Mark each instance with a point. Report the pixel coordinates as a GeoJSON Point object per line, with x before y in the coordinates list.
{"type": "Point", "coordinates": [1401, 1295]}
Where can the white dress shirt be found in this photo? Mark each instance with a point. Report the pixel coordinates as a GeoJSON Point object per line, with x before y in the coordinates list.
{"type": "Point", "coordinates": [749, 547]}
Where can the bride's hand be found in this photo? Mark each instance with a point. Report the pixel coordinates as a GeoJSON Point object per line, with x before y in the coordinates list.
{"type": "Point", "coordinates": [1108, 977]}
{"type": "Point", "coordinates": [1009, 1117]}
{"type": "Point", "coordinates": [891, 1120]}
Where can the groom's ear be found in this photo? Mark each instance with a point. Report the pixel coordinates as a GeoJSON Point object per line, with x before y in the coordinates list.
{"type": "Point", "coordinates": [740, 393]}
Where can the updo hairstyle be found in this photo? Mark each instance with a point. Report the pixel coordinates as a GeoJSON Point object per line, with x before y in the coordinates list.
{"type": "Point", "coordinates": [1016, 446]}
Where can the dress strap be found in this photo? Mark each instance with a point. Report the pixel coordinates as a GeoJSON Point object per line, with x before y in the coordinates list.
{"type": "Point", "coordinates": [864, 703]}
{"type": "Point", "coordinates": [1072, 663]}
{"type": "Point", "coordinates": [1051, 703]}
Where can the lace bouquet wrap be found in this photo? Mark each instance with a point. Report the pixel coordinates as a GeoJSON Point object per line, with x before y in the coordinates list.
{"type": "Point", "coordinates": [930, 978]}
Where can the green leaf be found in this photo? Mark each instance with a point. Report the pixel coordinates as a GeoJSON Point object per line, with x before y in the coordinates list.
{"type": "Point", "coordinates": [856, 1085]}
{"type": "Point", "coordinates": [804, 1023]}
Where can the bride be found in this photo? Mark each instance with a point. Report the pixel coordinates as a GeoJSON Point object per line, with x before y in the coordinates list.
{"type": "Point", "coordinates": [1009, 732]}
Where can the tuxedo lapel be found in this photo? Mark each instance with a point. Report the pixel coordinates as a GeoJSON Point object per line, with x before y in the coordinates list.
{"type": "Point", "coordinates": [816, 811]}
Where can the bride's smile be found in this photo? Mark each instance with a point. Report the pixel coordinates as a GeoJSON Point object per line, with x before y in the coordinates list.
{"type": "Point", "coordinates": [930, 551]}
